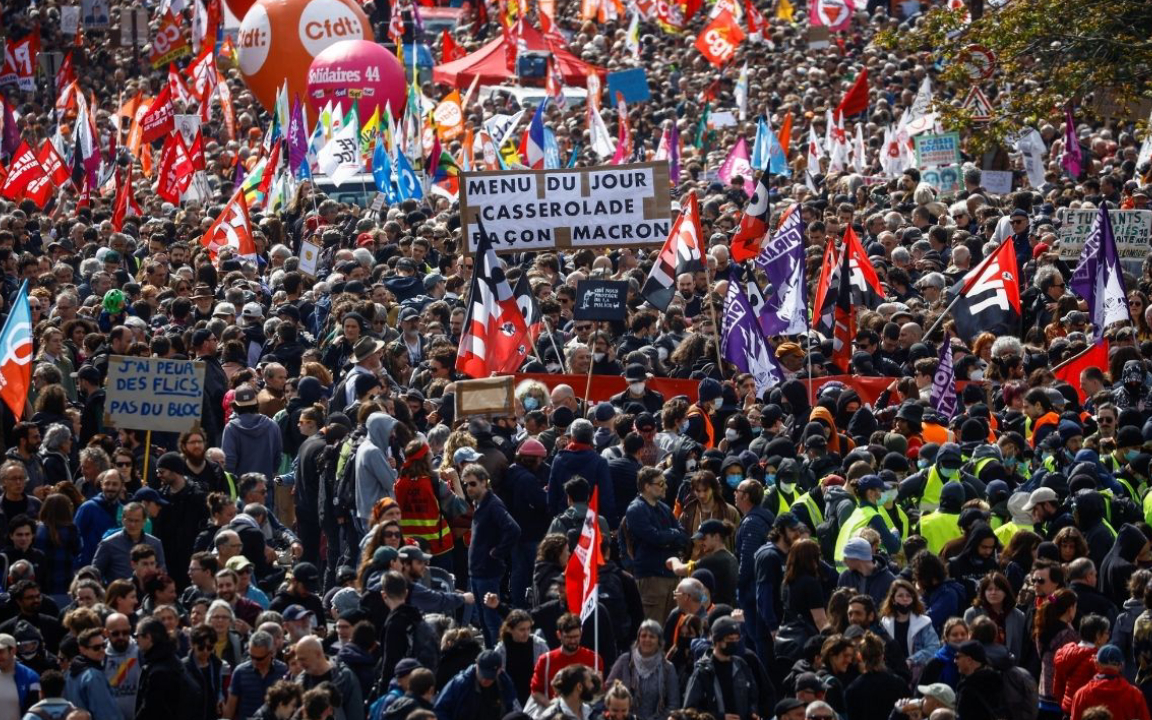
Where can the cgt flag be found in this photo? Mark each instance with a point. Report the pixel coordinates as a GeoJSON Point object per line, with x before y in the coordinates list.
{"type": "Point", "coordinates": [683, 252]}
{"type": "Point", "coordinates": [16, 362]}
{"type": "Point", "coordinates": [495, 334]}
{"type": "Point", "coordinates": [718, 42]}
{"type": "Point", "coordinates": [581, 575]}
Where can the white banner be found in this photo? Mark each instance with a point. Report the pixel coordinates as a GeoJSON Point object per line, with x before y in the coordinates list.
{"type": "Point", "coordinates": [154, 393]}
{"type": "Point", "coordinates": [1133, 230]}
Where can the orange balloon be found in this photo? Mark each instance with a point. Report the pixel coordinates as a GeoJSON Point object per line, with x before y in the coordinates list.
{"type": "Point", "coordinates": [280, 38]}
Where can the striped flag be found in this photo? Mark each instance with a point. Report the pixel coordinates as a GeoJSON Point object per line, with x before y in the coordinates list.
{"type": "Point", "coordinates": [494, 339]}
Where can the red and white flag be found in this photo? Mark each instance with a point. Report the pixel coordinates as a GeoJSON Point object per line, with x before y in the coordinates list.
{"type": "Point", "coordinates": [66, 74]}
{"type": "Point", "coordinates": [160, 119]}
{"type": "Point", "coordinates": [176, 169]}
{"type": "Point", "coordinates": [495, 334]}
{"type": "Point", "coordinates": [22, 170]}
{"type": "Point", "coordinates": [177, 88]}
{"type": "Point", "coordinates": [125, 201]}
{"type": "Point", "coordinates": [719, 40]}
{"type": "Point", "coordinates": [53, 164]}
{"type": "Point", "coordinates": [582, 575]}
{"type": "Point", "coordinates": [20, 62]}
{"type": "Point", "coordinates": [232, 229]}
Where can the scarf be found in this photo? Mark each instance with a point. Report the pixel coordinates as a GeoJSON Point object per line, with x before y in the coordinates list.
{"type": "Point", "coordinates": [646, 666]}
{"type": "Point", "coordinates": [574, 446]}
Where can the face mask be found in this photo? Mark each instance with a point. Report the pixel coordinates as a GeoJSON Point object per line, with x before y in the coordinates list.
{"type": "Point", "coordinates": [976, 375]}
{"type": "Point", "coordinates": [690, 464]}
{"type": "Point", "coordinates": [530, 403]}
{"type": "Point", "coordinates": [770, 479]}
{"type": "Point", "coordinates": [922, 464]}
{"type": "Point", "coordinates": [950, 474]}
{"type": "Point", "coordinates": [902, 607]}
{"type": "Point", "coordinates": [887, 496]}
{"type": "Point", "coordinates": [733, 648]}
{"type": "Point", "coordinates": [684, 426]}
{"type": "Point", "coordinates": [787, 487]}
{"type": "Point", "coordinates": [756, 429]}
{"type": "Point", "coordinates": [599, 357]}
{"type": "Point", "coordinates": [1130, 455]}
{"type": "Point", "coordinates": [731, 435]}
{"type": "Point", "coordinates": [636, 388]}
{"type": "Point", "coordinates": [717, 403]}
{"type": "Point", "coordinates": [733, 480]}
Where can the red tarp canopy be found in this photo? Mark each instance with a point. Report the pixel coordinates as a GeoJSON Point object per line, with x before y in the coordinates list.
{"type": "Point", "coordinates": [490, 64]}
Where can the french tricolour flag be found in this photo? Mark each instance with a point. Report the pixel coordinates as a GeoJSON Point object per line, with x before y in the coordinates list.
{"type": "Point", "coordinates": [534, 140]}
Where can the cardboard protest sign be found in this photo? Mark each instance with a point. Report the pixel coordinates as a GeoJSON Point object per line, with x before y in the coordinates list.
{"type": "Point", "coordinates": [937, 150]}
{"type": "Point", "coordinates": [601, 206]}
{"type": "Point", "coordinates": [485, 396]}
{"type": "Point", "coordinates": [1132, 228]}
{"type": "Point", "coordinates": [154, 393]}
{"type": "Point", "coordinates": [605, 300]}
{"type": "Point", "coordinates": [632, 84]}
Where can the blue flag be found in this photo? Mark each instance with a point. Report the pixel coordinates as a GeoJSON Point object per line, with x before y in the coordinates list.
{"type": "Point", "coordinates": [407, 184]}
{"type": "Point", "coordinates": [781, 258]}
{"type": "Point", "coordinates": [742, 342]}
{"type": "Point", "coordinates": [1099, 279]}
{"type": "Point", "coordinates": [767, 153]}
{"type": "Point", "coordinates": [382, 173]}
{"type": "Point", "coordinates": [944, 383]}
{"type": "Point", "coordinates": [551, 151]}
{"type": "Point", "coordinates": [16, 366]}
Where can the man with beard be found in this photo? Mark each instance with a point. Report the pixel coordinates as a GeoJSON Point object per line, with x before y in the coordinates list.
{"type": "Point", "coordinates": [300, 589]}
{"type": "Point", "coordinates": [27, 451]}
{"type": "Point", "coordinates": [97, 516]}
{"type": "Point", "coordinates": [181, 518]}
{"type": "Point", "coordinates": [210, 476]}
{"type": "Point", "coordinates": [227, 589]}
{"type": "Point", "coordinates": [415, 563]}
{"type": "Point", "coordinates": [26, 594]}
{"type": "Point", "coordinates": [122, 664]}
{"type": "Point", "coordinates": [570, 653]}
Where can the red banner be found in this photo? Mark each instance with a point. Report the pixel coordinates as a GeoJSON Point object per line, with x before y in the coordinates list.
{"type": "Point", "coordinates": [160, 118]}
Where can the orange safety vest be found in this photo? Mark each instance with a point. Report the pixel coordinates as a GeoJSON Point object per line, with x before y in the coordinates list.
{"type": "Point", "coordinates": [695, 410]}
{"type": "Point", "coordinates": [421, 517]}
{"type": "Point", "coordinates": [1046, 419]}
{"type": "Point", "coordinates": [934, 433]}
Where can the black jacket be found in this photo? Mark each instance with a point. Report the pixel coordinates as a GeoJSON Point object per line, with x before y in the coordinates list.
{"type": "Point", "coordinates": [177, 526]}
{"type": "Point", "coordinates": [212, 414]}
{"type": "Point", "coordinates": [1120, 563]}
{"type": "Point", "coordinates": [164, 693]}
{"type": "Point", "coordinates": [394, 640]}
{"type": "Point", "coordinates": [980, 696]}
{"type": "Point", "coordinates": [703, 689]}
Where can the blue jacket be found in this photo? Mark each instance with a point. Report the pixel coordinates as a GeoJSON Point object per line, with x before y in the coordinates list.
{"type": "Point", "coordinates": [252, 443]}
{"type": "Point", "coordinates": [750, 536]}
{"type": "Point", "coordinates": [89, 689]}
{"type": "Point", "coordinates": [590, 466]}
{"type": "Point", "coordinates": [113, 556]}
{"type": "Point", "coordinates": [494, 535]}
{"type": "Point", "coordinates": [94, 518]}
{"type": "Point", "coordinates": [459, 697]}
{"type": "Point", "coordinates": [944, 602]}
{"type": "Point", "coordinates": [27, 682]}
{"type": "Point", "coordinates": [528, 500]}
{"type": "Point", "coordinates": [655, 537]}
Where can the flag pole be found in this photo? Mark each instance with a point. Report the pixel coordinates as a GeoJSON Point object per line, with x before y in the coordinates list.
{"type": "Point", "coordinates": [944, 314]}
{"type": "Point", "coordinates": [552, 337]}
{"type": "Point", "coordinates": [715, 321]}
{"type": "Point", "coordinates": [591, 352]}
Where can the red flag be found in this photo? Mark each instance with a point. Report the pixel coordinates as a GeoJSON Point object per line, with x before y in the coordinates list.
{"type": "Point", "coordinates": [232, 229]}
{"type": "Point", "coordinates": [856, 99]}
{"type": "Point", "coordinates": [53, 164]}
{"type": "Point", "coordinates": [1069, 370]}
{"type": "Point", "coordinates": [160, 119]}
{"type": "Point", "coordinates": [821, 315]}
{"type": "Point", "coordinates": [785, 134]}
{"type": "Point", "coordinates": [582, 575]}
{"type": "Point", "coordinates": [175, 169]}
{"type": "Point", "coordinates": [753, 224]}
{"type": "Point", "coordinates": [494, 340]}
{"type": "Point", "coordinates": [123, 200]}
{"type": "Point", "coordinates": [718, 41]}
{"type": "Point", "coordinates": [196, 151]}
{"type": "Point", "coordinates": [395, 24]}
{"type": "Point", "coordinates": [21, 59]}
{"type": "Point", "coordinates": [449, 50]}
{"type": "Point", "coordinates": [22, 170]}
{"type": "Point", "coordinates": [202, 72]}
{"type": "Point", "coordinates": [66, 74]}
{"type": "Point", "coordinates": [755, 20]}
{"type": "Point", "coordinates": [509, 48]}
{"type": "Point", "coordinates": [168, 42]}
{"type": "Point", "coordinates": [177, 88]}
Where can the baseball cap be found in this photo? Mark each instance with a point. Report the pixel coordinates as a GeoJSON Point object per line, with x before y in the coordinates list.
{"type": "Point", "coordinates": [1110, 655]}
{"type": "Point", "coordinates": [809, 681]}
{"type": "Point", "coordinates": [7, 641]}
{"type": "Point", "coordinates": [870, 482]}
{"type": "Point", "coordinates": [787, 705]}
{"type": "Point", "coordinates": [147, 494]}
{"type": "Point", "coordinates": [245, 396]}
{"type": "Point", "coordinates": [306, 572]}
{"type": "Point", "coordinates": [1041, 495]}
{"type": "Point", "coordinates": [724, 627]}
{"type": "Point", "coordinates": [384, 556]}
{"type": "Point", "coordinates": [465, 455]}
{"type": "Point", "coordinates": [292, 613]}
{"type": "Point", "coordinates": [785, 520]}
{"type": "Point", "coordinates": [974, 650]}
{"type": "Point", "coordinates": [710, 527]}
{"type": "Point", "coordinates": [940, 692]}
{"type": "Point", "coordinates": [238, 563]}
{"type": "Point", "coordinates": [252, 310]}
{"type": "Point", "coordinates": [488, 665]}
{"type": "Point", "coordinates": [411, 552]}
{"type": "Point", "coordinates": [406, 666]}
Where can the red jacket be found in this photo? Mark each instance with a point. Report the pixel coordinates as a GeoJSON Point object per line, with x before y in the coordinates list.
{"type": "Point", "coordinates": [1075, 666]}
{"type": "Point", "coordinates": [1110, 689]}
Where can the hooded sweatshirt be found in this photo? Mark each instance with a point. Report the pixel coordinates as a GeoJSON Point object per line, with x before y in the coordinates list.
{"type": "Point", "coordinates": [86, 687]}
{"type": "Point", "coordinates": [1090, 512]}
{"type": "Point", "coordinates": [252, 443]}
{"type": "Point", "coordinates": [1120, 563]}
{"type": "Point", "coordinates": [968, 567]}
{"type": "Point", "coordinates": [375, 478]}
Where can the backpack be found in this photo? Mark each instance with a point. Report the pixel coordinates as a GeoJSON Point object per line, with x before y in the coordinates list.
{"type": "Point", "coordinates": [1021, 700]}
{"type": "Point", "coordinates": [344, 489]}
{"type": "Point", "coordinates": [826, 534]}
{"type": "Point", "coordinates": [423, 645]}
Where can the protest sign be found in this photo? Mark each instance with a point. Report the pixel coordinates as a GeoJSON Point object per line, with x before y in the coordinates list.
{"type": "Point", "coordinates": [134, 27]}
{"type": "Point", "coordinates": [309, 257]}
{"type": "Point", "coordinates": [1132, 228]}
{"type": "Point", "coordinates": [632, 84]}
{"type": "Point", "coordinates": [154, 393]}
{"type": "Point", "coordinates": [585, 207]}
{"type": "Point", "coordinates": [605, 300]}
{"type": "Point", "coordinates": [485, 396]}
{"type": "Point", "coordinates": [946, 180]}
{"type": "Point", "coordinates": [818, 37]}
{"type": "Point", "coordinates": [94, 14]}
{"type": "Point", "coordinates": [187, 125]}
{"type": "Point", "coordinates": [998, 182]}
{"type": "Point", "coordinates": [69, 20]}
{"type": "Point", "coordinates": [936, 150]}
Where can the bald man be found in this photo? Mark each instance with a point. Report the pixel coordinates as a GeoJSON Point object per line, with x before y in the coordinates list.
{"type": "Point", "coordinates": [317, 669]}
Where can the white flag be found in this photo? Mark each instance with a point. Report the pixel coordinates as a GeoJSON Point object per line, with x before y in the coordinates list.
{"type": "Point", "coordinates": [814, 157]}
{"type": "Point", "coordinates": [340, 158]}
{"type": "Point", "coordinates": [923, 102]}
{"type": "Point", "coordinates": [598, 131]}
{"type": "Point", "coordinates": [859, 164]}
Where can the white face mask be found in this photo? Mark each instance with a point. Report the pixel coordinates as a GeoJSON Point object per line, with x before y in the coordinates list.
{"type": "Point", "coordinates": [976, 375]}
{"type": "Point", "coordinates": [690, 464]}
{"type": "Point", "coordinates": [730, 435]}
{"type": "Point", "coordinates": [636, 388]}
{"type": "Point", "coordinates": [787, 487]}
{"type": "Point", "coordinates": [598, 357]}
{"type": "Point", "coordinates": [718, 403]}
{"type": "Point", "coordinates": [684, 426]}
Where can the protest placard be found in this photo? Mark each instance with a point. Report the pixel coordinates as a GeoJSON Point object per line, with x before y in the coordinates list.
{"type": "Point", "coordinates": [605, 300]}
{"type": "Point", "coordinates": [309, 257]}
{"type": "Point", "coordinates": [632, 84]}
{"type": "Point", "coordinates": [937, 150]}
{"type": "Point", "coordinates": [606, 206]}
{"type": "Point", "coordinates": [1133, 230]}
{"type": "Point", "coordinates": [69, 20]}
{"type": "Point", "coordinates": [485, 396]}
{"type": "Point", "coordinates": [154, 393]}
{"type": "Point", "coordinates": [998, 182]}
{"type": "Point", "coordinates": [946, 180]}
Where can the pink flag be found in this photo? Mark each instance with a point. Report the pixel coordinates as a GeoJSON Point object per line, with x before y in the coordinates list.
{"type": "Point", "coordinates": [1072, 158]}
{"type": "Point", "coordinates": [737, 165]}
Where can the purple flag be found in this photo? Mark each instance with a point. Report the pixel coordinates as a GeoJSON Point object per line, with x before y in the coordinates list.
{"type": "Point", "coordinates": [1072, 158]}
{"type": "Point", "coordinates": [11, 138]}
{"type": "Point", "coordinates": [782, 260]}
{"type": "Point", "coordinates": [737, 165]}
{"type": "Point", "coordinates": [944, 383]}
{"type": "Point", "coordinates": [674, 153]}
{"type": "Point", "coordinates": [1099, 278]}
{"type": "Point", "coordinates": [743, 343]}
{"type": "Point", "coordinates": [297, 139]}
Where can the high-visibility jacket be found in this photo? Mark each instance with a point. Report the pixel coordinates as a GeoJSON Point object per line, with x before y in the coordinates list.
{"type": "Point", "coordinates": [1046, 419]}
{"type": "Point", "coordinates": [420, 513]}
{"type": "Point", "coordinates": [1008, 530]}
{"type": "Point", "coordinates": [857, 521]}
{"type": "Point", "coordinates": [933, 484]}
{"type": "Point", "coordinates": [903, 528]}
{"type": "Point", "coordinates": [813, 509]}
{"type": "Point", "coordinates": [783, 504]}
{"type": "Point", "coordinates": [710, 435]}
{"type": "Point", "coordinates": [938, 528]}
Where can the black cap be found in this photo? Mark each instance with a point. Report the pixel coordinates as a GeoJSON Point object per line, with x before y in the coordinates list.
{"type": "Point", "coordinates": [787, 705]}
{"type": "Point", "coordinates": [488, 665]}
{"type": "Point", "coordinates": [306, 573]}
{"type": "Point", "coordinates": [974, 650]}
{"type": "Point", "coordinates": [171, 461]}
{"type": "Point", "coordinates": [785, 520]}
{"type": "Point", "coordinates": [711, 527]}
{"type": "Point", "coordinates": [92, 375]}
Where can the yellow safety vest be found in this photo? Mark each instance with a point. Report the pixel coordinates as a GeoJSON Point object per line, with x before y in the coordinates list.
{"type": "Point", "coordinates": [930, 500]}
{"type": "Point", "coordinates": [813, 509]}
{"type": "Point", "coordinates": [782, 506]}
{"type": "Point", "coordinates": [905, 526]}
{"type": "Point", "coordinates": [938, 528]}
{"type": "Point", "coordinates": [859, 518]}
{"type": "Point", "coordinates": [1008, 530]}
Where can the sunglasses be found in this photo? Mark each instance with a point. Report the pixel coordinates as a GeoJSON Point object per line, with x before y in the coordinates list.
{"type": "Point", "coordinates": [393, 535]}
{"type": "Point", "coordinates": [472, 483]}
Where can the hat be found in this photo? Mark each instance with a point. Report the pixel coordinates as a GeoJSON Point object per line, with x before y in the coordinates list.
{"type": "Point", "coordinates": [306, 572]}
{"type": "Point", "coordinates": [635, 371]}
{"type": "Point", "coordinates": [408, 313]}
{"type": "Point", "coordinates": [645, 421]}
{"type": "Point", "coordinates": [465, 455]}
{"type": "Point", "coordinates": [710, 527]}
{"type": "Point", "coordinates": [788, 348]}
{"type": "Point", "coordinates": [787, 705]}
{"type": "Point", "coordinates": [1019, 213]}
{"type": "Point", "coordinates": [1040, 495]}
{"type": "Point", "coordinates": [7, 641]}
{"type": "Point", "coordinates": [289, 311]}
{"type": "Point", "coordinates": [785, 520]}
{"type": "Point", "coordinates": [365, 239]}
{"type": "Point", "coordinates": [1110, 655]}
{"type": "Point", "coordinates": [252, 311]}
{"type": "Point", "coordinates": [92, 375]}
{"type": "Point", "coordinates": [562, 417]}
{"type": "Point", "coordinates": [384, 556]}
{"type": "Point", "coordinates": [1129, 436]}
{"type": "Point", "coordinates": [239, 563]}
{"type": "Point", "coordinates": [858, 549]}
{"type": "Point", "coordinates": [345, 573]}
{"type": "Point", "coordinates": [431, 281]}
{"type": "Point", "coordinates": [808, 681]}
{"type": "Point", "coordinates": [346, 600]}
{"type": "Point", "coordinates": [224, 308]}
{"type": "Point", "coordinates": [294, 612]}
{"type": "Point", "coordinates": [710, 389]}
{"type": "Point", "coordinates": [532, 448]}
{"type": "Point", "coordinates": [869, 482]}
{"type": "Point", "coordinates": [365, 348]}
{"type": "Point", "coordinates": [604, 412]}
{"type": "Point", "coordinates": [355, 287]}
{"type": "Point", "coordinates": [723, 627]}
{"type": "Point", "coordinates": [488, 665]}
{"type": "Point", "coordinates": [172, 461]}
{"type": "Point", "coordinates": [405, 667]}
{"type": "Point", "coordinates": [974, 650]}
{"type": "Point", "coordinates": [408, 553]}
{"type": "Point", "coordinates": [911, 412]}
{"type": "Point", "coordinates": [940, 692]}
{"type": "Point", "coordinates": [147, 494]}
{"type": "Point", "coordinates": [245, 396]}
